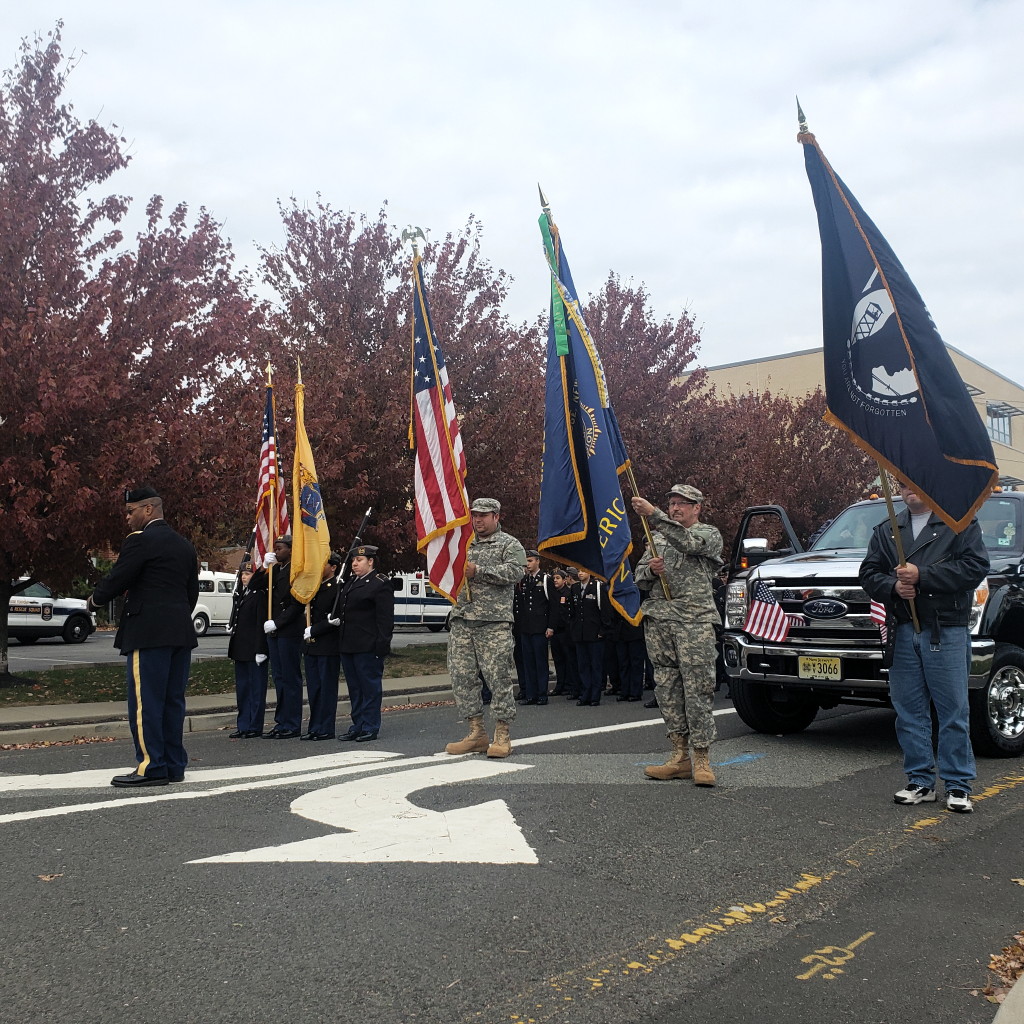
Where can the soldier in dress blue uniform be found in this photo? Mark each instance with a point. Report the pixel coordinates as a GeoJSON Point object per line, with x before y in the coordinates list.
{"type": "Point", "coordinates": [535, 608]}
{"type": "Point", "coordinates": [158, 572]}
{"type": "Point", "coordinates": [247, 648]}
{"type": "Point", "coordinates": [322, 657]}
{"type": "Point", "coordinates": [366, 614]}
{"type": "Point", "coordinates": [284, 638]}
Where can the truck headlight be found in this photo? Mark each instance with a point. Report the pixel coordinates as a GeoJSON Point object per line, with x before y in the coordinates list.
{"type": "Point", "coordinates": [735, 603]}
{"type": "Point", "coordinates": [977, 607]}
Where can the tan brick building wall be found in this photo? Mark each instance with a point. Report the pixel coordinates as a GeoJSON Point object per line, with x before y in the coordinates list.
{"type": "Point", "coordinates": [999, 400]}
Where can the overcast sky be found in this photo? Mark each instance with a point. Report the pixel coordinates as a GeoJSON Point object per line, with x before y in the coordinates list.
{"type": "Point", "coordinates": [663, 134]}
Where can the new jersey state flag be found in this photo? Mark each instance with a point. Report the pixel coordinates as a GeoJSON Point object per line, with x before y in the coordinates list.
{"type": "Point", "coordinates": [890, 383]}
{"type": "Point", "coordinates": [582, 512]}
{"type": "Point", "coordinates": [311, 540]}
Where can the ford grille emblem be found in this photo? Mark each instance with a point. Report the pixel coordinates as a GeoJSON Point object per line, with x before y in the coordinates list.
{"type": "Point", "coordinates": [825, 608]}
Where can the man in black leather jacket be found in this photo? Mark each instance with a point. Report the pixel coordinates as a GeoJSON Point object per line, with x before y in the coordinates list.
{"type": "Point", "coordinates": [930, 667]}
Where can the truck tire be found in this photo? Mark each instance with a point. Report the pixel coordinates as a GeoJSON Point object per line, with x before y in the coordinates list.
{"type": "Point", "coordinates": [435, 627]}
{"type": "Point", "coordinates": [76, 630]}
{"type": "Point", "coordinates": [769, 709]}
{"type": "Point", "coordinates": [200, 623]}
{"type": "Point", "coordinates": [997, 710]}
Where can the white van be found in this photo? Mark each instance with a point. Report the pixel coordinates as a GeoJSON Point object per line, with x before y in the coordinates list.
{"type": "Point", "coordinates": [215, 599]}
{"type": "Point", "coordinates": [418, 604]}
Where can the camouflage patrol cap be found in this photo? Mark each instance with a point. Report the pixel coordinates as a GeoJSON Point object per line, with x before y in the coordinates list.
{"type": "Point", "coordinates": [687, 493]}
{"type": "Point", "coordinates": [485, 505]}
{"type": "Point", "coordinates": [364, 551]}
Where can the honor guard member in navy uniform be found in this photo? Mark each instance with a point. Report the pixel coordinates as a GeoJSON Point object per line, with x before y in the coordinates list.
{"type": "Point", "coordinates": [247, 648]}
{"type": "Point", "coordinates": [284, 635]}
{"type": "Point", "coordinates": [322, 657]}
{"type": "Point", "coordinates": [589, 619]}
{"type": "Point", "coordinates": [158, 572]}
{"type": "Point", "coordinates": [535, 611]}
{"type": "Point", "coordinates": [366, 615]}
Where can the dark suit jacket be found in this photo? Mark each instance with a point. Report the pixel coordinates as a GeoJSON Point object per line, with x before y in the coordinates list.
{"type": "Point", "coordinates": [366, 608]}
{"type": "Point", "coordinates": [158, 572]}
{"type": "Point", "coordinates": [250, 612]}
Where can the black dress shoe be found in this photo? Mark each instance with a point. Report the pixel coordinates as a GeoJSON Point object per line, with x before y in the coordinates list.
{"type": "Point", "coordinates": [175, 778]}
{"type": "Point", "coordinates": [631, 699]}
{"type": "Point", "coordinates": [621, 698]}
{"type": "Point", "coordinates": [308, 736]}
{"type": "Point", "coordinates": [136, 781]}
{"type": "Point", "coordinates": [238, 734]}
{"type": "Point", "coordinates": [281, 734]}
{"type": "Point", "coordinates": [583, 703]}
{"type": "Point", "coordinates": [347, 737]}
{"type": "Point", "coordinates": [542, 700]}
{"type": "Point", "coordinates": [595, 703]}
{"type": "Point", "coordinates": [651, 703]}
{"type": "Point", "coordinates": [316, 736]}
{"type": "Point", "coordinates": [366, 737]}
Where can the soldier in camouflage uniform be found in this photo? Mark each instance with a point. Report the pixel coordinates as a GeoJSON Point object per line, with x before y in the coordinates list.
{"type": "Point", "coordinates": [680, 629]}
{"type": "Point", "coordinates": [480, 646]}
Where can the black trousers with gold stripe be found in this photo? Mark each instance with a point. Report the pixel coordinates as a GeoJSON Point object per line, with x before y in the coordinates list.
{"type": "Point", "coordinates": [156, 678]}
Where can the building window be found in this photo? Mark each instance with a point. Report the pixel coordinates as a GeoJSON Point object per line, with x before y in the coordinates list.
{"type": "Point", "coordinates": [999, 427]}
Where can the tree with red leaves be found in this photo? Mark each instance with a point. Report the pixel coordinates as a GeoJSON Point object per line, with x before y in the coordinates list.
{"type": "Point", "coordinates": [121, 365]}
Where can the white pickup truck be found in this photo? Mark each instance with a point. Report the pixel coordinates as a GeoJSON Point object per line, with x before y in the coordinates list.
{"type": "Point", "coordinates": [37, 612]}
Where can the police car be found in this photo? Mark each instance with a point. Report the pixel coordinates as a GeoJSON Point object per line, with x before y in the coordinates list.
{"type": "Point", "coordinates": [37, 612]}
{"type": "Point", "coordinates": [417, 603]}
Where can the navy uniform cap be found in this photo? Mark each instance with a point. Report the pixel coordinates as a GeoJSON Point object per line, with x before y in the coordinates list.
{"type": "Point", "coordinates": [139, 494]}
{"type": "Point", "coordinates": [364, 550]}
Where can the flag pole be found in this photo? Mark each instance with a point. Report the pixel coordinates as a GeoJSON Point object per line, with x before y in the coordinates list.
{"type": "Point", "coordinates": [887, 490]}
{"type": "Point", "coordinates": [273, 511]}
{"type": "Point", "coordinates": [546, 209]}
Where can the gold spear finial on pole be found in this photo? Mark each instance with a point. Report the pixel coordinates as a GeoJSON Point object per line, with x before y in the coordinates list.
{"type": "Point", "coordinates": [269, 380]}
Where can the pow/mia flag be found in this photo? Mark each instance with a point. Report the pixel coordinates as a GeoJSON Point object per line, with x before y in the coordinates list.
{"type": "Point", "coordinates": [889, 380]}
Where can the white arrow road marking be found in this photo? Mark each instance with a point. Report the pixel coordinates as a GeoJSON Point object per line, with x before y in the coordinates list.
{"type": "Point", "coordinates": [387, 826]}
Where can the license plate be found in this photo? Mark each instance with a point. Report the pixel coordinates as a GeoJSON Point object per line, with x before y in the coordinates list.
{"type": "Point", "coordinates": [820, 668]}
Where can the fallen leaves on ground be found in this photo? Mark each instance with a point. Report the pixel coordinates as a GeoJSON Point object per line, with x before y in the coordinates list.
{"type": "Point", "coordinates": [1008, 966]}
{"type": "Point", "coordinates": [76, 742]}
{"type": "Point", "coordinates": [50, 878]}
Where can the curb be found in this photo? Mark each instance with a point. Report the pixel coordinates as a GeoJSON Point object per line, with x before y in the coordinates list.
{"type": "Point", "coordinates": [206, 721]}
{"type": "Point", "coordinates": [1011, 1010]}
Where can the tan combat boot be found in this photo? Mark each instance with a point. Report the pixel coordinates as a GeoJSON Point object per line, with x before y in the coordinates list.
{"type": "Point", "coordinates": [502, 745]}
{"type": "Point", "coordinates": [678, 765]}
{"type": "Point", "coordinates": [475, 743]}
{"type": "Point", "coordinates": [702, 773]}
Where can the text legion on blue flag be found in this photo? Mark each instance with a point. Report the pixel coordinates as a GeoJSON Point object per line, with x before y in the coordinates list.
{"type": "Point", "coordinates": [271, 506]}
{"type": "Point", "coordinates": [889, 380]}
{"type": "Point", "coordinates": [766, 620]}
{"type": "Point", "coordinates": [443, 529]}
{"type": "Point", "coordinates": [582, 511]}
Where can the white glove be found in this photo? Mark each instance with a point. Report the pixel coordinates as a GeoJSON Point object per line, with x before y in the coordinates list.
{"type": "Point", "coordinates": [260, 658]}
{"type": "Point", "coordinates": [270, 558]}
{"type": "Point", "coordinates": [332, 621]}
{"type": "Point", "coordinates": [270, 626]}
{"type": "Point", "coordinates": [307, 632]}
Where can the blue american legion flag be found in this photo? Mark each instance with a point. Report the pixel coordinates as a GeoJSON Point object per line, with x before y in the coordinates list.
{"type": "Point", "coordinates": [582, 517]}
{"type": "Point", "coordinates": [443, 529]}
{"type": "Point", "coordinates": [765, 619]}
{"type": "Point", "coordinates": [890, 383]}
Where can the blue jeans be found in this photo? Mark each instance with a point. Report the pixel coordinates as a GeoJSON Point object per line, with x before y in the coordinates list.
{"type": "Point", "coordinates": [923, 674]}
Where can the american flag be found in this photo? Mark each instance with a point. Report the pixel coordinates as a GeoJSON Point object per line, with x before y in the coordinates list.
{"type": "Point", "coordinates": [878, 618]}
{"type": "Point", "coordinates": [269, 482]}
{"type": "Point", "coordinates": [443, 529]}
{"type": "Point", "coordinates": [766, 620]}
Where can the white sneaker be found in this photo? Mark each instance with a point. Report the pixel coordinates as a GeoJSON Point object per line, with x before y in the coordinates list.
{"type": "Point", "coordinates": [915, 794]}
{"type": "Point", "coordinates": [959, 801]}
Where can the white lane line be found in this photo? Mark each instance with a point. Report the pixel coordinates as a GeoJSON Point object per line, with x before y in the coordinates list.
{"type": "Point", "coordinates": [552, 737]}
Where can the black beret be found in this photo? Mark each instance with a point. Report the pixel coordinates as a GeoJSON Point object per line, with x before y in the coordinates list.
{"type": "Point", "coordinates": [139, 494]}
{"type": "Point", "coordinates": [335, 559]}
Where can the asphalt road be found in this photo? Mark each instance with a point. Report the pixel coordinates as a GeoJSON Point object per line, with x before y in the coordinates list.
{"type": "Point", "coordinates": [99, 649]}
{"type": "Point", "coordinates": [281, 883]}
